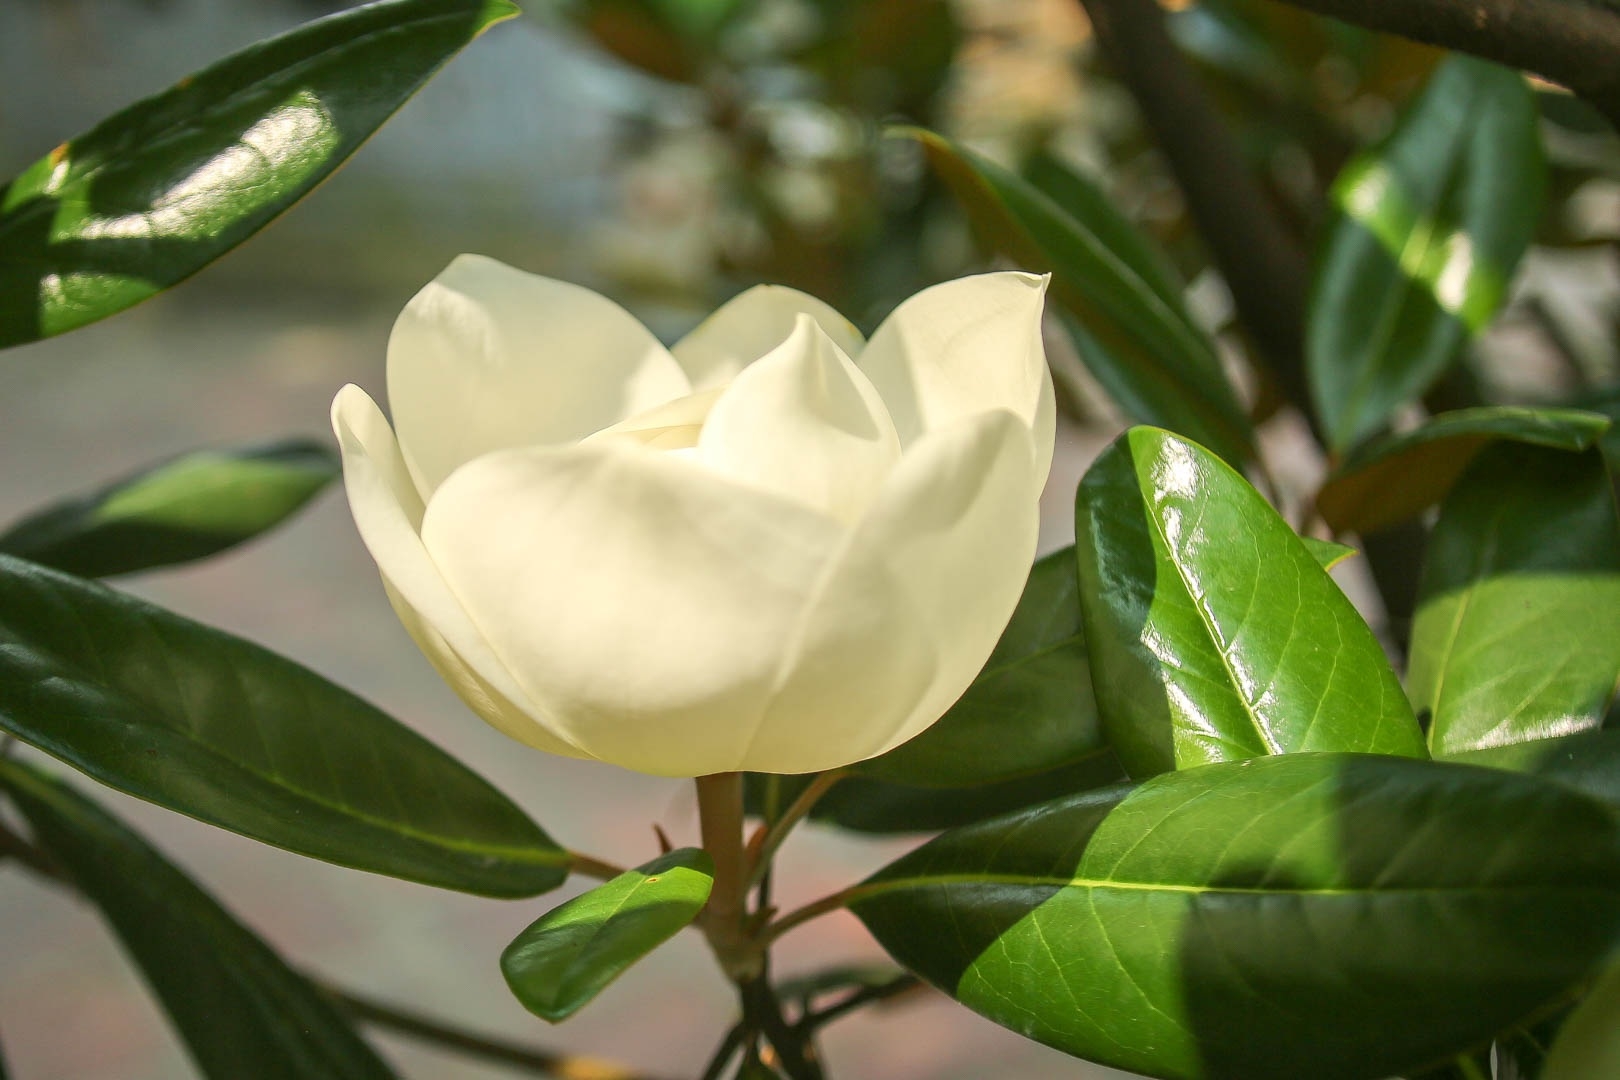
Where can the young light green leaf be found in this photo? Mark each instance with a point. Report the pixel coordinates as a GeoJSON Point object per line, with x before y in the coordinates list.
{"type": "Point", "coordinates": [1395, 477]}
{"type": "Point", "coordinates": [1214, 632]}
{"type": "Point", "coordinates": [1029, 711]}
{"type": "Point", "coordinates": [1517, 632]}
{"type": "Point", "coordinates": [1430, 228]}
{"type": "Point", "coordinates": [243, 1014]}
{"type": "Point", "coordinates": [154, 193]}
{"type": "Point", "coordinates": [1327, 553]}
{"type": "Point", "coordinates": [186, 508]}
{"type": "Point", "coordinates": [1258, 919]}
{"type": "Point", "coordinates": [570, 954]}
{"type": "Point", "coordinates": [215, 727]}
{"type": "Point", "coordinates": [1133, 330]}
{"type": "Point", "coordinates": [1588, 1044]}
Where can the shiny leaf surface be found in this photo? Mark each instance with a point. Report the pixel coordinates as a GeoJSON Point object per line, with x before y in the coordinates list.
{"type": "Point", "coordinates": [1132, 329]}
{"type": "Point", "coordinates": [215, 727]}
{"type": "Point", "coordinates": [243, 1014]}
{"type": "Point", "coordinates": [154, 193]}
{"type": "Point", "coordinates": [1029, 711]}
{"type": "Point", "coordinates": [1214, 633]}
{"type": "Point", "coordinates": [571, 953]}
{"type": "Point", "coordinates": [1430, 228]}
{"type": "Point", "coordinates": [1398, 476]}
{"type": "Point", "coordinates": [186, 508]}
{"type": "Point", "coordinates": [1589, 762]}
{"type": "Point", "coordinates": [1334, 916]}
{"type": "Point", "coordinates": [1517, 631]}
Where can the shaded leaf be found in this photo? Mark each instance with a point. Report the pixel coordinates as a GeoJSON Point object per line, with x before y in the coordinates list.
{"type": "Point", "coordinates": [215, 727]}
{"type": "Point", "coordinates": [154, 193]}
{"type": "Point", "coordinates": [1030, 710]}
{"type": "Point", "coordinates": [1131, 328]}
{"type": "Point", "coordinates": [1214, 633]}
{"type": "Point", "coordinates": [243, 1014]}
{"type": "Point", "coordinates": [1588, 1043]}
{"type": "Point", "coordinates": [1517, 632]}
{"type": "Point", "coordinates": [1336, 916]}
{"type": "Point", "coordinates": [570, 954]}
{"type": "Point", "coordinates": [1430, 228]}
{"type": "Point", "coordinates": [1396, 477]}
{"type": "Point", "coordinates": [1589, 761]}
{"type": "Point", "coordinates": [185, 508]}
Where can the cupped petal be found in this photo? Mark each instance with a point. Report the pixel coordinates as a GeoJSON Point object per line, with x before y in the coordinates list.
{"type": "Point", "coordinates": [487, 357]}
{"type": "Point", "coordinates": [674, 425]}
{"type": "Point", "coordinates": [964, 347]}
{"type": "Point", "coordinates": [751, 324]}
{"type": "Point", "coordinates": [911, 610]}
{"type": "Point", "coordinates": [388, 514]}
{"type": "Point", "coordinates": [803, 422]}
{"type": "Point", "coordinates": [643, 602]}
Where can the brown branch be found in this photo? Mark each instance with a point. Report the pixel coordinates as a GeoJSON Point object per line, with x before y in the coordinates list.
{"type": "Point", "coordinates": [1575, 43]}
{"type": "Point", "coordinates": [1263, 265]}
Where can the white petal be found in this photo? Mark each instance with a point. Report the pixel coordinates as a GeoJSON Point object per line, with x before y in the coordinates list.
{"type": "Point", "coordinates": [750, 325]}
{"type": "Point", "coordinates": [674, 425]}
{"type": "Point", "coordinates": [803, 422]}
{"type": "Point", "coordinates": [644, 603]}
{"type": "Point", "coordinates": [388, 514]}
{"type": "Point", "coordinates": [962, 347]}
{"type": "Point", "coordinates": [909, 616]}
{"type": "Point", "coordinates": [487, 357]}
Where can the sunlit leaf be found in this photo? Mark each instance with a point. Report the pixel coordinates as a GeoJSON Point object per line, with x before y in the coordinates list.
{"type": "Point", "coordinates": [1333, 916]}
{"type": "Point", "coordinates": [1430, 228]}
{"type": "Point", "coordinates": [154, 193]}
{"type": "Point", "coordinates": [1214, 633]}
{"type": "Point", "coordinates": [191, 718]}
{"type": "Point", "coordinates": [243, 1014]}
{"type": "Point", "coordinates": [186, 508]}
{"type": "Point", "coordinates": [1517, 632]}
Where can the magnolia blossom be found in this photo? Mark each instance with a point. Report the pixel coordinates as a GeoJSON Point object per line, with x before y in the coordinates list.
{"type": "Point", "coordinates": [773, 547]}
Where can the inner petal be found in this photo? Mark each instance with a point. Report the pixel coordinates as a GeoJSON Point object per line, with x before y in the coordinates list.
{"type": "Point", "coordinates": [750, 325]}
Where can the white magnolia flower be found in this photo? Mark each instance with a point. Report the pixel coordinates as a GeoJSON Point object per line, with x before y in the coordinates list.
{"type": "Point", "coordinates": [773, 547]}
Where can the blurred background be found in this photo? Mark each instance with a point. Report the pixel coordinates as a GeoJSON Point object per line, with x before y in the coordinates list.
{"type": "Point", "coordinates": [667, 153]}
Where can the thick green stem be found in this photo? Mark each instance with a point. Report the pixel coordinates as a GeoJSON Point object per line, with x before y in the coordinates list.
{"type": "Point", "coordinates": [724, 919]}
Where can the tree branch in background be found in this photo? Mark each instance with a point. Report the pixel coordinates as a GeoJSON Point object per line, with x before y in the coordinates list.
{"type": "Point", "coordinates": [1263, 265]}
{"type": "Point", "coordinates": [1574, 43]}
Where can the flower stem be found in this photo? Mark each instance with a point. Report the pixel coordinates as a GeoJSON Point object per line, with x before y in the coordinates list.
{"type": "Point", "coordinates": [720, 817]}
{"type": "Point", "coordinates": [764, 844]}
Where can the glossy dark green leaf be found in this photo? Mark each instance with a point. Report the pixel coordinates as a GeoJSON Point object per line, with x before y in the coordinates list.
{"type": "Point", "coordinates": [1517, 631]}
{"type": "Point", "coordinates": [1398, 476]}
{"type": "Point", "coordinates": [1029, 711]}
{"type": "Point", "coordinates": [570, 954]}
{"type": "Point", "coordinates": [196, 720]}
{"type": "Point", "coordinates": [1589, 761]}
{"type": "Point", "coordinates": [1588, 1043]}
{"type": "Point", "coordinates": [182, 509]}
{"type": "Point", "coordinates": [1332, 916]}
{"type": "Point", "coordinates": [1132, 329]}
{"type": "Point", "coordinates": [243, 1013]}
{"type": "Point", "coordinates": [1214, 632]}
{"type": "Point", "coordinates": [154, 193]}
{"type": "Point", "coordinates": [1430, 228]}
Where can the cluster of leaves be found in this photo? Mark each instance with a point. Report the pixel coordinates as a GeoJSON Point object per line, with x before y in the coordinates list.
{"type": "Point", "coordinates": [1191, 823]}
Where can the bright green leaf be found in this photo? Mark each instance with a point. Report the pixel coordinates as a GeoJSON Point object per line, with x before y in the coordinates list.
{"type": "Point", "coordinates": [1430, 228]}
{"type": "Point", "coordinates": [196, 720]}
{"type": "Point", "coordinates": [1332, 916]}
{"type": "Point", "coordinates": [1588, 1044]}
{"type": "Point", "coordinates": [1399, 476]}
{"type": "Point", "coordinates": [1214, 632]}
{"type": "Point", "coordinates": [243, 1014]}
{"type": "Point", "coordinates": [186, 508]}
{"type": "Point", "coordinates": [154, 193]}
{"type": "Point", "coordinates": [1327, 553]}
{"type": "Point", "coordinates": [570, 954]}
{"type": "Point", "coordinates": [1029, 711]}
{"type": "Point", "coordinates": [1517, 631]}
{"type": "Point", "coordinates": [1132, 330]}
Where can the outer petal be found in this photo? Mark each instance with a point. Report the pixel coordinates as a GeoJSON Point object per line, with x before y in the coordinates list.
{"type": "Point", "coordinates": [388, 513]}
{"type": "Point", "coordinates": [912, 610]}
{"type": "Point", "coordinates": [962, 347]}
{"type": "Point", "coordinates": [644, 602]}
{"type": "Point", "coordinates": [487, 357]}
{"type": "Point", "coordinates": [750, 325]}
{"type": "Point", "coordinates": [803, 422]}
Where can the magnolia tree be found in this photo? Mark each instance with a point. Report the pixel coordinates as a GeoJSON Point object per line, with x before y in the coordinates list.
{"type": "Point", "coordinates": [1192, 816]}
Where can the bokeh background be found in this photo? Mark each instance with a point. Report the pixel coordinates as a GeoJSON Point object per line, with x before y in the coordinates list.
{"type": "Point", "coordinates": [667, 160]}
